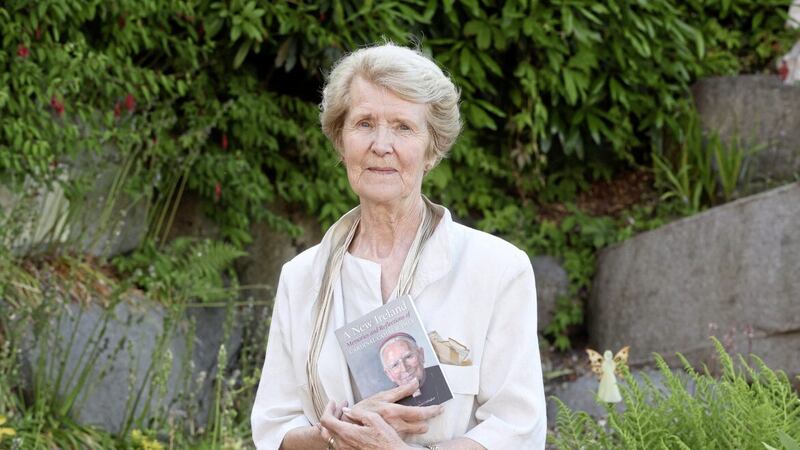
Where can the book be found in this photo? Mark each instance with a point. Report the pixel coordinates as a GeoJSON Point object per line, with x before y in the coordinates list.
{"type": "Point", "coordinates": [388, 347]}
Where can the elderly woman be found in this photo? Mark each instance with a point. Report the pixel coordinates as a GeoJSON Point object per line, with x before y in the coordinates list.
{"type": "Point", "coordinates": [392, 115]}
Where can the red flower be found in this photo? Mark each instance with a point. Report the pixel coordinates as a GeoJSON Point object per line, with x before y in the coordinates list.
{"type": "Point", "coordinates": [57, 106]}
{"type": "Point", "coordinates": [130, 103]}
{"type": "Point", "coordinates": [224, 142]}
{"type": "Point", "coordinates": [121, 21]}
{"type": "Point", "coordinates": [23, 51]}
{"type": "Point", "coordinates": [783, 71]}
{"type": "Point", "coordinates": [117, 110]}
{"type": "Point", "coordinates": [217, 191]}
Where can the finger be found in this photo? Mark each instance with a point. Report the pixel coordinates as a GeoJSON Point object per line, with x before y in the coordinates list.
{"type": "Point", "coordinates": [414, 428]}
{"type": "Point", "coordinates": [337, 410]}
{"type": "Point", "coordinates": [339, 427]}
{"type": "Point", "coordinates": [368, 418]}
{"type": "Point", "coordinates": [328, 415]}
{"type": "Point", "coordinates": [414, 413]}
{"type": "Point", "coordinates": [330, 408]}
{"type": "Point", "coordinates": [395, 394]}
{"type": "Point", "coordinates": [324, 432]}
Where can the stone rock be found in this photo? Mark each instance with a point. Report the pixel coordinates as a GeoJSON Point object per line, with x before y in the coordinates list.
{"type": "Point", "coordinates": [551, 283]}
{"type": "Point", "coordinates": [125, 342]}
{"type": "Point", "coordinates": [89, 222]}
{"type": "Point", "coordinates": [124, 224]}
{"type": "Point", "coordinates": [731, 271]}
{"type": "Point", "coordinates": [758, 109]}
{"type": "Point", "coordinates": [270, 250]}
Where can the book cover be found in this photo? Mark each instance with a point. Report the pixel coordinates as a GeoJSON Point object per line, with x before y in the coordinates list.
{"type": "Point", "coordinates": [388, 347]}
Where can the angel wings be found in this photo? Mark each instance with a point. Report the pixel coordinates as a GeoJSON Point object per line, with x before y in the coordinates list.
{"type": "Point", "coordinates": [605, 366]}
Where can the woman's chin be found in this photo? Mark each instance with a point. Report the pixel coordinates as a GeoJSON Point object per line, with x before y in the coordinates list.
{"type": "Point", "coordinates": [382, 197]}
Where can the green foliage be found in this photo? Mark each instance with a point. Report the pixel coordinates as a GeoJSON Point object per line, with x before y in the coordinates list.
{"type": "Point", "coordinates": [227, 91]}
{"type": "Point", "coordinates": [705, 170]}
{"type": "Point", "coordinates": [746, 408]}
{"type": "Point", "coordinates": [186, 269]}
{"type": "Point", "coordinates": [741, 35]}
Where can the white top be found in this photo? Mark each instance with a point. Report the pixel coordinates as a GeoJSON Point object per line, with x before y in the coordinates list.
{"type": "Point", "coordinates": [469, 286]}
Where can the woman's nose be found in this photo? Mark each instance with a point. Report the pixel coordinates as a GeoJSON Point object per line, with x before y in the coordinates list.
{"type": "Point", "coordinates": [383, 141]}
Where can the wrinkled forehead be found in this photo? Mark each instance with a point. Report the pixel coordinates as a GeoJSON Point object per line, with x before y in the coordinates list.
{"type": "Point", "coordinates": [366, 97]}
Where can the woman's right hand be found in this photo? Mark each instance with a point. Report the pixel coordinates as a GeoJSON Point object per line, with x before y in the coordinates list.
{"type": "Point", "coordinates": [404, 419]}
{"type": "Point", "coordinates": [362, 430]}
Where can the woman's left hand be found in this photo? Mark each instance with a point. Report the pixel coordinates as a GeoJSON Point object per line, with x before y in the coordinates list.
{"type": "Point", "coordinates": [367, 432]}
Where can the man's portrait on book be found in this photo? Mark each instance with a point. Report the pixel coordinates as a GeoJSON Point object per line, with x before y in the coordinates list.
{"type": "Point", "coordinates": [403, 361]}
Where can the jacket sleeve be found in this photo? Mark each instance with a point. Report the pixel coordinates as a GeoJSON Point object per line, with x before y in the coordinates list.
{"type": "Point", "coordinates": [511, 411]}
{"type": "Point", "coordinates": [277, 407]}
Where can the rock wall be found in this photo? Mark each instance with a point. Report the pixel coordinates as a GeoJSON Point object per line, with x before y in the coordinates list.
{"type": "Point", "coordinates": [89, 222]}
{"type": "Point", "coordinates": [759, 110]}
{"type": "Point", "coordinates": [120, 380]}
{"type": "Point", "coordinates": [732, 271]}
{"type": "Point", "coordinates": [551, 283]}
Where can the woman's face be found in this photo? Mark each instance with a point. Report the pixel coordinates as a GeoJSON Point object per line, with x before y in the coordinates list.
{"type": "Point", "coordinates": [384, 141]}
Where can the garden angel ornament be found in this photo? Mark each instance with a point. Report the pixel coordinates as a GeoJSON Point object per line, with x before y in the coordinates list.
{"type": "Point", "coordinates": [605, 366]}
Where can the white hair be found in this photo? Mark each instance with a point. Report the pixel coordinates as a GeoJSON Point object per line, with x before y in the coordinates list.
{"type": "Point", "coordinates": [400, 337]}
{"type": "Point", "coordinates": [408, 74]}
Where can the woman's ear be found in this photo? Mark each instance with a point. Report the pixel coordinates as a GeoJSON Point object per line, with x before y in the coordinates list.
{"type": "Point", "coordinates": [429, 163]}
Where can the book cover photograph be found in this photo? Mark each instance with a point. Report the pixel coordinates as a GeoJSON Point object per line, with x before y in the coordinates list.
{"type": "Point", "coordinates": [389, 347]}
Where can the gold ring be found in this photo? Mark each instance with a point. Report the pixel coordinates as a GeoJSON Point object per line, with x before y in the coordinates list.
{"type": "Point", "coordinates": [331, 443]}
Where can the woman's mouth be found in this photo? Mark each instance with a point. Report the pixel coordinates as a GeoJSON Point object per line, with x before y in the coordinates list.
{"type": "Point", "coordinates": [382, 170]}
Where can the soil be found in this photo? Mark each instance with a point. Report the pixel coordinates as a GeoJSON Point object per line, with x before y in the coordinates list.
{"type": "Point", "coordinates": [608, 198]}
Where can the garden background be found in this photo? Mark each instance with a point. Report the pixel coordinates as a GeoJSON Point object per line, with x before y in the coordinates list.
{"type": "Point", "coordinates": [160, 160]}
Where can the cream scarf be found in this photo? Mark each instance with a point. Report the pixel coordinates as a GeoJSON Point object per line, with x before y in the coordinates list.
{"type": "Point", "coordinates": [341, 235]}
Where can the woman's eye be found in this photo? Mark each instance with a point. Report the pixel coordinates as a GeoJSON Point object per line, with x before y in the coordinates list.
{"type": "Point", "coordinates": [363, 124]}
{"type": "Point", "coordinates": [404, 127]}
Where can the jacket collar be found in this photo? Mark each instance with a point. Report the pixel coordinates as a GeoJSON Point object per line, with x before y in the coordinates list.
{"type": "Point", "coordinates": [435, 260]}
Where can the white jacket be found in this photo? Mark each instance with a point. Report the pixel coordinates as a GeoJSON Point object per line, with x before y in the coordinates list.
{"type": "Point", "coordinates": [469, 285]}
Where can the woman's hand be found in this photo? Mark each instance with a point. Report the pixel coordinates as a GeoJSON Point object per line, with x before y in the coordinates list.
{"type": "Point", "coordinates": [404, 419]}
{"type": "Point", "coordinates": [365, 431]}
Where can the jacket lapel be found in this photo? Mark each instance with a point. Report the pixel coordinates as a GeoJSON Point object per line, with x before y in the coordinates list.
{"type": "Point", "coordinates": [435, 260]}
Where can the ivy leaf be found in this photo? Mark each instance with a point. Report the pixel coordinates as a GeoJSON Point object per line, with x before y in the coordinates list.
{"type": "Point", "coordinates": [241, 54]}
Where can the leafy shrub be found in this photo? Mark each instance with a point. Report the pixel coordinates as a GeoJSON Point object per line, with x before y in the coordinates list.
{"type": "Point", "coordinates": [227, 90]}
{"type": "Point", "coordinates": [747, 408]}
{"type": "Point", "coordinates": [186, 269]}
